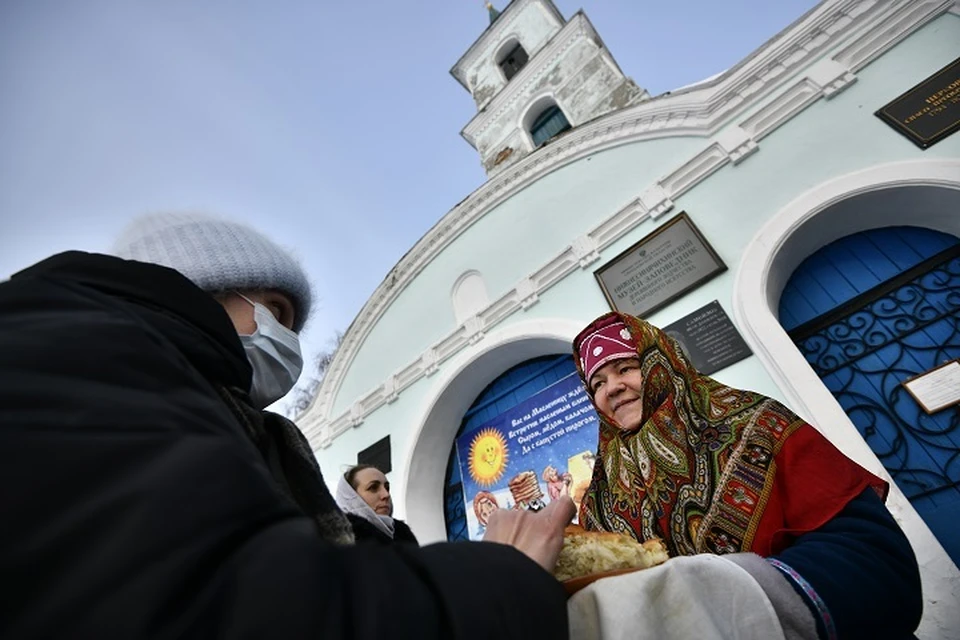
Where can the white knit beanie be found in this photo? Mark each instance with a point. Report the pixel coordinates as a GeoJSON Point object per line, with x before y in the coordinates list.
{"type": "Point", "coordinates": [216, 255]}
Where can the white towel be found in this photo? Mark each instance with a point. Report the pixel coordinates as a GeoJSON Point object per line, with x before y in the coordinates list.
{"type": "Point", "coordinates": [703, 596]}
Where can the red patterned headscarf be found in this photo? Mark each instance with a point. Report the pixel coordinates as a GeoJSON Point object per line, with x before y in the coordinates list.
{"type": "Point", "coordinates": [711, 469]}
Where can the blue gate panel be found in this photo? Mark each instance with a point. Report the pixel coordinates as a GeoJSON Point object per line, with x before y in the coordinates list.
{"type": "Point", "coordinates": [840, 271]}
{"type": "Point", "coordinates": [894, 330]}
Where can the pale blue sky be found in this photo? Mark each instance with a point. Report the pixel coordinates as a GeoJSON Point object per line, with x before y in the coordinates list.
{"type": "Point", "coordinates": [332, 126]}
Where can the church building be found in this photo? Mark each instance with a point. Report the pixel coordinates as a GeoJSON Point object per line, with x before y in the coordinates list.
{"type": "Point", "coordinates": [793, 221]}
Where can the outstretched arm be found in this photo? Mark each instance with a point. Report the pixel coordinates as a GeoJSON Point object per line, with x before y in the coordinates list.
{"type": "Point", "coordinates": [135, 505]}
{"type": "Point", "coordinates": [859, 570]}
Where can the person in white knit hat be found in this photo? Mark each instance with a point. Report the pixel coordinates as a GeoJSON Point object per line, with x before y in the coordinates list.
{"type": "Point", "coordinates": [147, 493]}
{"type": "Point", "coordinates": [262, 287]}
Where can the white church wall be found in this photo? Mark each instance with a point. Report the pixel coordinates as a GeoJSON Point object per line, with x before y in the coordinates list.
{"type": "Point", "coordinates": [511, 241]}
{"type": "Point", "coordinates": [825, 139]}
{"type": "Point", "coordinates": [520, 235]}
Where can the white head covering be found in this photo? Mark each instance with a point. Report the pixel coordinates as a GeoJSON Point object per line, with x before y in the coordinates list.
{"type": "Point", "coordinates": [351, 502]}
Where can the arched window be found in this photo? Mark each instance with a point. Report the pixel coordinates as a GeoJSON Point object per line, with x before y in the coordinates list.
{"type": "Point", "coordinates": [548, 124]}
{"type": "Point", "coordinates": [511, 59]}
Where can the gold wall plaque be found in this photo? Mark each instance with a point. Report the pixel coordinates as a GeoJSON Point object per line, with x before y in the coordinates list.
{"type": "Point", "coordinates": [930, 111]}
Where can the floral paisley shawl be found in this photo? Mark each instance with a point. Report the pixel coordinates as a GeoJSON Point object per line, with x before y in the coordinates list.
{"type": "Point", "coordinates": [702, 468]}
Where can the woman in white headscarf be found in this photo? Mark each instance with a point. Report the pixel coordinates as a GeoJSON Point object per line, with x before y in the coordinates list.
{"type": "Point", "coordinates": [363, 494]}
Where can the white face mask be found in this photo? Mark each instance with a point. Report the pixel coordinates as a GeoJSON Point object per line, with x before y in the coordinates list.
{"type": "Point", "coordinates": [274, 353]}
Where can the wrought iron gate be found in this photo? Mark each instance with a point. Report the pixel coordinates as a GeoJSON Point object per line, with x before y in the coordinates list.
{"type": "Point", "coordinates": [866, 348]}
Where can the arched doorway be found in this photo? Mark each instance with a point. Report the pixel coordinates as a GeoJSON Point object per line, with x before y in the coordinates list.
{"type": "Point", "coordinates": [869, 311]}
{"type": "Point", "coordinates": [923, 192]}
{"type": "Point", "coordinates": [451, 393]}
{"type": "Point", "coordinates": [508, 390]}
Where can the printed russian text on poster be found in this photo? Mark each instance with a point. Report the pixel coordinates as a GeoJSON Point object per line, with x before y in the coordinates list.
{"type": "Point", "coordinates": [529, 455]}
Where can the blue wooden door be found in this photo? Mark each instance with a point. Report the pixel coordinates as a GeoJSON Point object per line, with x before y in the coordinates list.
{"type": "Point", "coordinates": [510, 389]}
{"type": "Point", "coordinates": [869, 311]}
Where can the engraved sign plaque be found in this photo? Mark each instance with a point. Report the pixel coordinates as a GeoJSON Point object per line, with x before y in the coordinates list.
{"type": "Point", "coordinates": [661, 267]}
{"type": "Point", "coordinates": [709, 338]}
{"type": "Point", "coordinates": [930, 111]}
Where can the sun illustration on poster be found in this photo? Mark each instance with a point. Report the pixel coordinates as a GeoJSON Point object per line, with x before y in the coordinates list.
{"type": "Point", "coordinates": [488, 457]}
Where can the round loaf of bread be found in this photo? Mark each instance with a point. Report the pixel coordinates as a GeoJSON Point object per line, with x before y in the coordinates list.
{"type": "Point", "coordinates": [589, 552]}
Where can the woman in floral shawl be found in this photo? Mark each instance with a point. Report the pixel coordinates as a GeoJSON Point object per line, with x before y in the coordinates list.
{"type": "Point", "coordinates": [712, 469]}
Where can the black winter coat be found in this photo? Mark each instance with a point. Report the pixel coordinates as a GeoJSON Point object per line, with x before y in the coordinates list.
{"type": "Point", "coordinates": [134, 502]}
{"type": "Point", "coordinates": [366, 532]}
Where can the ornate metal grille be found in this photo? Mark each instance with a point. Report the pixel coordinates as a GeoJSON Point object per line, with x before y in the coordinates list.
{"type": "Point", "coordinates": [864, 350]}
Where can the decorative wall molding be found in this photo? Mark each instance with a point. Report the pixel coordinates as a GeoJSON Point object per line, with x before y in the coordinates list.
{"type": "Point", "coordinates": [781, 109]}
{"type": "Point", "coordinates": [865, 27]}
{"type": "Point", "coordinates": [831, 76]}
{"type": "Point", "coordinates": [694, 171]}
{"type": "Point", "coordinates": [586, 250]}
{"type": "Point", "coordinates": [884, 31]}
{"type": "Point", "coordinates": [355, 415]}
{"type": "Point", "coordinates": [737, 144]}
{"type": "Point", "coordinates": [655, 200]}
{"type": "Point", "coordinates": [390, 389]}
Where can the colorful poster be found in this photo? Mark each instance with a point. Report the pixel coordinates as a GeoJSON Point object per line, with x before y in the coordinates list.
{"type": "Point", "coordinates": [529, 455]}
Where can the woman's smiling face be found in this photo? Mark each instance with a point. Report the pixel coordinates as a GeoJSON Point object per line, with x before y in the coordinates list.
{"type": "Point", "coordinates": [617, 387]}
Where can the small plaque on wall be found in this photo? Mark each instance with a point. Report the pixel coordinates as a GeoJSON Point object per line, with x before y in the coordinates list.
{"type": "Point", "coordinates": [930, 111]}
{"type": "Point", "coordinates": [709, 338]}
{"type": "Point", "coordinates": [937, 389]}
{"type": "Point", "coordinates": [378, 455]}
{"type": "Point", "coordinates": [661, 267]}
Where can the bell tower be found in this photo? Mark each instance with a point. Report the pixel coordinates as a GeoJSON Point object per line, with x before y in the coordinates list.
{"type": "Point", "coordinates": [535, 75]}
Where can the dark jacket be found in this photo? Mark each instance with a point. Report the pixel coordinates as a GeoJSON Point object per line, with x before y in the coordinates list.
{"type": "Point", "coordinates": [366, 532]}
{"type": "Point", "coordinates": [858, 558]}
{"type": "Point", "coordinates": [136, 502]}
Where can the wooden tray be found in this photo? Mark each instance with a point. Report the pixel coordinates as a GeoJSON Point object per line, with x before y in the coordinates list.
{"type": "Point", "coordinates": [573, 585]}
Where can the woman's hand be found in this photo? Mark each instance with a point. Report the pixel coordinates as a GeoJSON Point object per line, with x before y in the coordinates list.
{"type": "Point", "coordinates": [537, 534]}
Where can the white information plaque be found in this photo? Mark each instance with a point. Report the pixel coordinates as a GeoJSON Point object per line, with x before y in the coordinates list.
{"type": "Point", "coordinates": [936, 389]}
